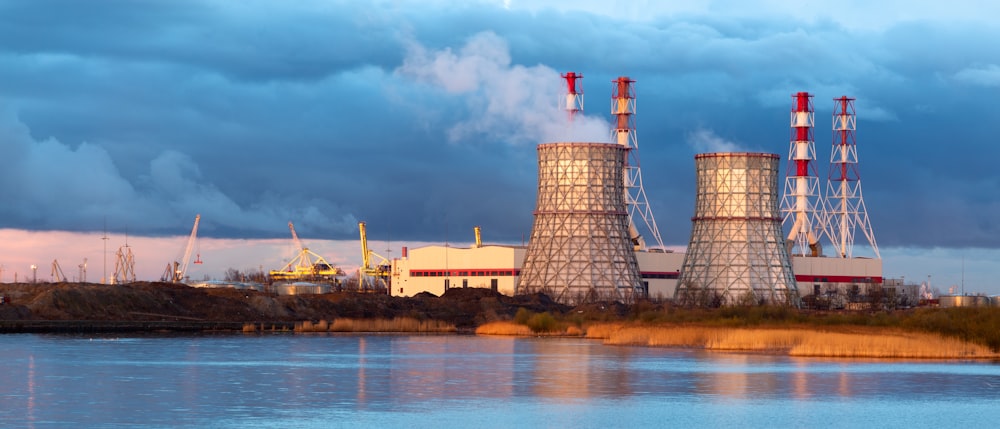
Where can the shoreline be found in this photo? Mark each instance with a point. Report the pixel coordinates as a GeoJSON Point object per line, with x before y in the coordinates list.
{"type": "Point", "coordinates": [98, 326]}
{"type": "Point", "coordinates": [851, 342]}
{"type": "Point", "coordinates": [844, 342]}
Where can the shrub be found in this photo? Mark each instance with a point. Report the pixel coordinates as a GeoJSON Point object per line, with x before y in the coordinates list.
{"type": "Point", "coordinates": [542, 322]}
{"type": "Point", "coordinates": [522, 316]}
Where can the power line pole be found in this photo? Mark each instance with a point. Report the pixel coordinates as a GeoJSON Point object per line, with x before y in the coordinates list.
{"type": "Point", "coordinates": [104, 279]}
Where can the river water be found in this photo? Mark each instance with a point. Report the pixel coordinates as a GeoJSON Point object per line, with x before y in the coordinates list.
{"type": "Point", "coordinates": [453, 381]}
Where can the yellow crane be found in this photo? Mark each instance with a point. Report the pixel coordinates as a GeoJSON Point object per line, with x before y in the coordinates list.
{"type": "Point", "coordinates": [479, 236]}
{"type": "Point", "coordinates": [306, 266]}
{"type": "Point", "coordinates": [372, 278]}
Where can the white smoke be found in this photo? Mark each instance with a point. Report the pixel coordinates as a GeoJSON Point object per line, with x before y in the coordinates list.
{"type": "Point", "coordinates": [703, 140]}
{"type": "Point", "coordinates": [505, 101]}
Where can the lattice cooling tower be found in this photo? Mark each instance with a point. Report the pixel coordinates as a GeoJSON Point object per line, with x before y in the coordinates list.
{"type": "Point", "coordinates": [580, 250]}
{"type": "Point", "coordinates": [737, 253]}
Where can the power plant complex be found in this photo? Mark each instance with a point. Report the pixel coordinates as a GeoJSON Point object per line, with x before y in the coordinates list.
{"type": "Point", "coordinates": [594, 237]}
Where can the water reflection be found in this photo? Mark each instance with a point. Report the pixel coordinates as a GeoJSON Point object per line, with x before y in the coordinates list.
{"type": "Point", "coordinates": [164, 381]}
{"type": "Point", "coordinates": [450, 367]}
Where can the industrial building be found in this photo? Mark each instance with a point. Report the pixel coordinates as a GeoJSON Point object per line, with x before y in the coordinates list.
{"type": "Point", "coordinates": [586, 244]}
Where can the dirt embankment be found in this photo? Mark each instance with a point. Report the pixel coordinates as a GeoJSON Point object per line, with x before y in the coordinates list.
{"type": "Point", "coordinates": [166, 302]}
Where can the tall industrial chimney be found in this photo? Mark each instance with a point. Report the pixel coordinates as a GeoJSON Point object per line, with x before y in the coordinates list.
{"type": "Point", "coordinates": [623, 132]}
{"type": "Point", "coordinates": [737, 253]}
{"type": "Point", "coordinates": [580, 249]}
{"type": "Point", "coordinates": [574, 94]}
{"type": "Point", "coordinates": [845, 206]}
{"type": "Point", "coordinates": [801, 204]}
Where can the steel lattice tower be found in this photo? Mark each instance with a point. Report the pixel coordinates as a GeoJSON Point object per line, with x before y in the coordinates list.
{"type": "Point", "coordinates": [737, 253]}
{"type": "Point", "coordinates": [845, 207]}
{"type": "Point", "coordinates": [580, 249]}
{"type": "Point", "coordinates": [801, 206]}
{"type": "Point", "coordinates": [124, 266]}
{"type": "Point", "coordinates": [623, 133]}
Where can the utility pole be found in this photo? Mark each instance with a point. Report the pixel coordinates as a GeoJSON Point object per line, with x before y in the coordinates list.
{"type": "Point", "coordinates": [104, 278]}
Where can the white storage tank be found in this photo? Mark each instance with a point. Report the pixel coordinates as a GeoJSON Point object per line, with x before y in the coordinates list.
{"type": "Point", "coordinates": [302, 288]}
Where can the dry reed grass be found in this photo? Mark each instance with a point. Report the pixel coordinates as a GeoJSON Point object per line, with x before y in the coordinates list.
{"type": "Point", "coordinates": [602, 330]}
{"type": "Point", "coordinates": [906, 345]}
{"type": "Point", "coordinates": [503, 328]}
{"type": "Point", "coordinates": [399, 324]}
{"type": "Point", "coordinates": [854, 342]}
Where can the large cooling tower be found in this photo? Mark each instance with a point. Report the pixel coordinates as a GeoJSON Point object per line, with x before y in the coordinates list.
{"type": "Point", "coordinates": [737, 253]}
{"type": "Point", "coordinates": [580, 249]}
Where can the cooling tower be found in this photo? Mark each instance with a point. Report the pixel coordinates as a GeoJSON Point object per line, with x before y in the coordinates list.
{"type": "Point", "coordinates": [580, 249]}
{"type": "Point", "coordinates": [737, 253]}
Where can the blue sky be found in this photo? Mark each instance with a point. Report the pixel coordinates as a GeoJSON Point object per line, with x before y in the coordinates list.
{"type": "Point", "coordinates": [420, 117]}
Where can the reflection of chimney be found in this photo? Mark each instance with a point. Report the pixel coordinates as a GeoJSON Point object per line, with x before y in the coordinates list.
{"type": "Point", "coordinates": [580, 249]}
{"type": "Point", "coordinates": [736, 254]}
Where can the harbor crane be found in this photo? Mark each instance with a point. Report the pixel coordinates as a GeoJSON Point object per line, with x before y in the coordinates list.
{"type": "Point", "coordinates": [176, 270]}
{"type": "Point", "coordinates": [372, 278]}
{"type": "Point", "coordinates": [305, 266]}
{"type": "Point", "coordinates": [57, 272]}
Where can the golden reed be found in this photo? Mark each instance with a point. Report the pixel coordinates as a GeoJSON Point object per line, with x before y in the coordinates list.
{"type": "Point", "coordinates": [853, 342]}
{"type": "Point", "coordinates": [517, 329]}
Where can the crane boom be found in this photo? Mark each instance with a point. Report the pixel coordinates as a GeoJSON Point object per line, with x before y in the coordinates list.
{"type": "Point", "coordinates": [306, 265]}
{"type": "Point", "coordinates": [365, 258]}
{"type": "Point", "coordinates": [379, 273]}
{"type": "Point", "coordinates": [57, 273]}
{"type": "Point", "coordinates": [187, 250]}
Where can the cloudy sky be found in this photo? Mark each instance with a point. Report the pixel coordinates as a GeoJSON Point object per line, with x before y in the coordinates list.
{"type": "Point", "coordinates": [421, 117]}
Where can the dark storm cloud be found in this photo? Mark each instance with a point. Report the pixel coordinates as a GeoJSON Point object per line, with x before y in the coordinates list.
{"type": "Point", "coordinates": [420, 118]}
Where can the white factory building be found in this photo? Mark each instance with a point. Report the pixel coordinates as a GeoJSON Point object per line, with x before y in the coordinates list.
{"type": "Point", "coordinates": [433, 269]}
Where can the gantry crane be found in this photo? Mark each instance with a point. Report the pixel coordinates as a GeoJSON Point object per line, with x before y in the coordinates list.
{"type": "Point", "coordinates": [176, 270]}
{"type": "Point", "coordinates": [372, 278]}
{"type": "Point", "coordinates": [306, 266]}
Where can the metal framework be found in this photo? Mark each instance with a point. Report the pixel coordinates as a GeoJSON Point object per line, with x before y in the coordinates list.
{"type": "Point", "coordinates": [801, 207]}
{"type": "Point", "coordinates": [623, 133]}
{"type": "Point", "coordinates": [845, 207]}
{"type": "Point", "coordinates": [737, 255]}
{"type": "Point", "coordinates": [580, 249]}
{"type": "Point", "coordinates": [306, 265]}
{"type": "Point", "coordinates": [57, 272]}
{"type": "Point", "coordinates": [124, 266]}
{"type": "Point", "coordinates": [372, 277]}
{"type": "Point", "coordinates": [176, 270]}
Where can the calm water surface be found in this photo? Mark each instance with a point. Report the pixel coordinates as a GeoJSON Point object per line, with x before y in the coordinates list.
{"type": "Point", "coordinates": [320, 381]}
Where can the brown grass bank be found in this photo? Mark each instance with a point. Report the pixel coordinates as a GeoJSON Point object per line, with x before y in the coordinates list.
{"type": "Point", "coordinates": [846, 342]}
